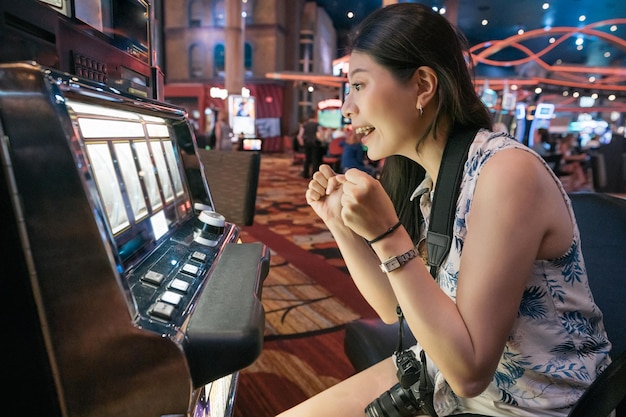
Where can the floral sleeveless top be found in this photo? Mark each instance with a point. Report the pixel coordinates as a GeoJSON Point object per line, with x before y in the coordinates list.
{"type": "Point", "coordinates": [558, 343]}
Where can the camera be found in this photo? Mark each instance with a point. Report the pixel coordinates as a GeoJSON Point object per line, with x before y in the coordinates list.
{"type": "Point", "coordinates": [409, 396]}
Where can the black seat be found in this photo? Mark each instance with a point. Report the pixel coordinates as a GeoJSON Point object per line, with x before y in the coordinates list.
{"type": "Point", "coordinates": [602, 223]}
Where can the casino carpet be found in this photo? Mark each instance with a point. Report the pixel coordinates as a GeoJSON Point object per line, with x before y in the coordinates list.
{"type": "Point", "coordinates": [308, 296]}
{"type": "Point", "coordinates": [308, 288]}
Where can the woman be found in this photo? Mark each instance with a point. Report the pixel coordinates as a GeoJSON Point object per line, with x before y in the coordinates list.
{"type": "Point", "coordinates": [223, 133]}
{"type": "Point", "coordinates": [509, 327]}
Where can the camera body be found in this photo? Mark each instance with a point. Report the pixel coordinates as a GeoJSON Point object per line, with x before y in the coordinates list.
{"type": "Point", "coordinates": [404, 398]}
{"type": "Point", "coordinates": [409, 368]}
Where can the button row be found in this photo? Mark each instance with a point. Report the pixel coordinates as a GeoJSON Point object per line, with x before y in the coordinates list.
{"type": "Point", "coordinates": [165, 307]}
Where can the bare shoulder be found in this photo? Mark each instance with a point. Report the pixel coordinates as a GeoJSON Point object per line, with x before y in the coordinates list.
{"type": "Point", "coordinates": [513, 176]}
{"type": "Point", "coordinates": [517, 182]}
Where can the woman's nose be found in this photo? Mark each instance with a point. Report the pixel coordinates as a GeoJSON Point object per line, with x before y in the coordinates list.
{"type": "Point", "coordinates": [346, 108]}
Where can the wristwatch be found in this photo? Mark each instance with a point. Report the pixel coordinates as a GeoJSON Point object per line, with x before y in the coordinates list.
{"type": "Point", "coordinates": [396, 262]}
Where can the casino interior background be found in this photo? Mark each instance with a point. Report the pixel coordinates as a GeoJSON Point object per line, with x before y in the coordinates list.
{"type": "Point", "coordinates": [100, 82]}
{"type": "Point", "coordinates": [568, 58]}
{"type": "Point", "coordinates": [568, 54]}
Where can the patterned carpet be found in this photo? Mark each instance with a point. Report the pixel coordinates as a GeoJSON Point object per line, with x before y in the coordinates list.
{"type": "Point", "coordinates": [307, 296]}
{"type": "Point", "coordinates": [308, 289]}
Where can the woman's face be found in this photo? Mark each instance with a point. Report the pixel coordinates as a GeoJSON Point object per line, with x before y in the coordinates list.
{"type": "Point", "coordinates": [382, 109]}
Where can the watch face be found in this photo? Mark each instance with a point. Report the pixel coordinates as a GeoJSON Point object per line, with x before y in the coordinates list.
{"type": "Point", "coordinates": [390, 264]}
{"type": "Point", "coordinates": [397, 261]}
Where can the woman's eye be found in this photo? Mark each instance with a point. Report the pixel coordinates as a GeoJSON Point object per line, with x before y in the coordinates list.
{"type": "Point", "coordinates": [356, 86]}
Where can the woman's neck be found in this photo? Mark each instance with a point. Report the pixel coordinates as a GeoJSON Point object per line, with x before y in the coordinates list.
{"type": "Point", "coordinates": [430, 155]}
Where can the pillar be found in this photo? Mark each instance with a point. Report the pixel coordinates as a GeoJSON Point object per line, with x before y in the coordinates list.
{"type": "Point", "coordinates": [234, 49]}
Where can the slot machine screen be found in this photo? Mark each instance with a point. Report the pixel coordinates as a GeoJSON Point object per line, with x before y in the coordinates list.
{"type": "Point", "coordinates": [133, 152]}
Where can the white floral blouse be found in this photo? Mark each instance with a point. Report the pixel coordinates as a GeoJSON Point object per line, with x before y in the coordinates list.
{"type": "Point", "coordinates": [558, 343]}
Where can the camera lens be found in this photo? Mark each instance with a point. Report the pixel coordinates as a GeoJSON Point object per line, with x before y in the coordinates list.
{"type": "Point", "coordinates": [396, 402]}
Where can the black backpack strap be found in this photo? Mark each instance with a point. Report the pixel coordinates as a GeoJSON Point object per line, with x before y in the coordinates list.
{"type": "Point", "coordinates": [439, 236]}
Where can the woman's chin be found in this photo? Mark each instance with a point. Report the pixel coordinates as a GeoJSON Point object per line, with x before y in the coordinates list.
{"type": "Point", "coordinates": [372, 154]}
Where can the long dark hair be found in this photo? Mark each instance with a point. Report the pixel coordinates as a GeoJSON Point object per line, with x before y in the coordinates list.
{"type": "Point", "coordinates": [403, 37]}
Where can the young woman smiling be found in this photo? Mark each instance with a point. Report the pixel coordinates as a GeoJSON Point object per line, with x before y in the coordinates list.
{"type": "Point", "coordinates": [508, 326]}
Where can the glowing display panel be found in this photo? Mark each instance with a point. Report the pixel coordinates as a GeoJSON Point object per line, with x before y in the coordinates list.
{"type": "Point", "coordinates": [96, 128]}
{"type": "Point", "coordinates": [159, 160]}
{"type": "Point", "coordinates": [132, 182]}
{"type": "Point", "coordinates": [175, 173]}
{"type": "Point", "coordinates": [137, 172]}
{"type": "Point", "coordinates": [149, 175]}
{"type": "Point", "coordinates": [108, 186]}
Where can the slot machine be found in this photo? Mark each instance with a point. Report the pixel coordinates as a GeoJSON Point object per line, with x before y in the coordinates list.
{"type": "Point", "coordinates": [126, 293]}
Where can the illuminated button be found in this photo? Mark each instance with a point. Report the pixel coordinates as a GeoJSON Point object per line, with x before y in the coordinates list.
{"type": "Point", "coordinates": [190, 270]}
{"type": "Point", "coordinates": [199, 256]}
{"type": "Point", "coordinates": [179, 285]}
{"type": "Point", "coordinates": [153, 277]}
{"type": "Point", "coordinates": [171, 298]}
{"type": "Point", "coordinates": [163, 310]}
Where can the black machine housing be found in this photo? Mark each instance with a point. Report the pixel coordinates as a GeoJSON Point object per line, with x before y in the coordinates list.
{"type": "Point", "coordinates": [120, 301]}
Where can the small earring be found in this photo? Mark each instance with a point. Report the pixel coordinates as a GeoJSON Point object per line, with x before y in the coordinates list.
{"type": "Point", "coordinates": [421, 110]}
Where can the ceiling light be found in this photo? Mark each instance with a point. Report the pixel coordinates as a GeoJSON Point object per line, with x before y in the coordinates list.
{"type": "Point", "coordinates": [484, 22]}
{"type": "Point", "coordinates": [545, 6]}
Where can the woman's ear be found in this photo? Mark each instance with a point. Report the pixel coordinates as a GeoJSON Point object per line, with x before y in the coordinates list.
{"type": "Point", "coordinates": [426, 80]}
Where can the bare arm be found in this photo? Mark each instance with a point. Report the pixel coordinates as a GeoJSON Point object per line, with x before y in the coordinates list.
{"type": "Point", "coordinates": [506, 233]}
{"type": "Point", "coordinates": [326, 196]}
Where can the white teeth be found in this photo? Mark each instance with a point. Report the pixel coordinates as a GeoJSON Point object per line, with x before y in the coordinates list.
{"type": "Point", "coordinates": [364, 130]}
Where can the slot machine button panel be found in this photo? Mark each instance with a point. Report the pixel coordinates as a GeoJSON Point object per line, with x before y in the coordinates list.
{"type": "Point", "coordinates": [199, 256]}
{"type": "Point", "coordinates": [153, 277]}
{"type": "Point", "coordinates": [190, 269]}
{"type": "Point", "coordinates": [180, 285]}
{"type": "Point", "coordinates": [163, 310]}
{"type": "Point", "coordinates": [172, 298]}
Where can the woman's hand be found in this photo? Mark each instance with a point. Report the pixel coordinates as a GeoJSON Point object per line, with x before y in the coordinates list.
{"type": "Point", "coordinates": [365, 206]}
{"type": "Point", "coordinates": [324, 195]}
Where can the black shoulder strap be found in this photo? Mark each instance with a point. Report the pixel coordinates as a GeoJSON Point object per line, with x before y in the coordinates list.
{"type": "Point", "coordinates": [439, 236]}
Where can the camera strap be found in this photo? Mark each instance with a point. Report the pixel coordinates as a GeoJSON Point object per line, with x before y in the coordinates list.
{"type": "Point", "coordinates": [439, 235]}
